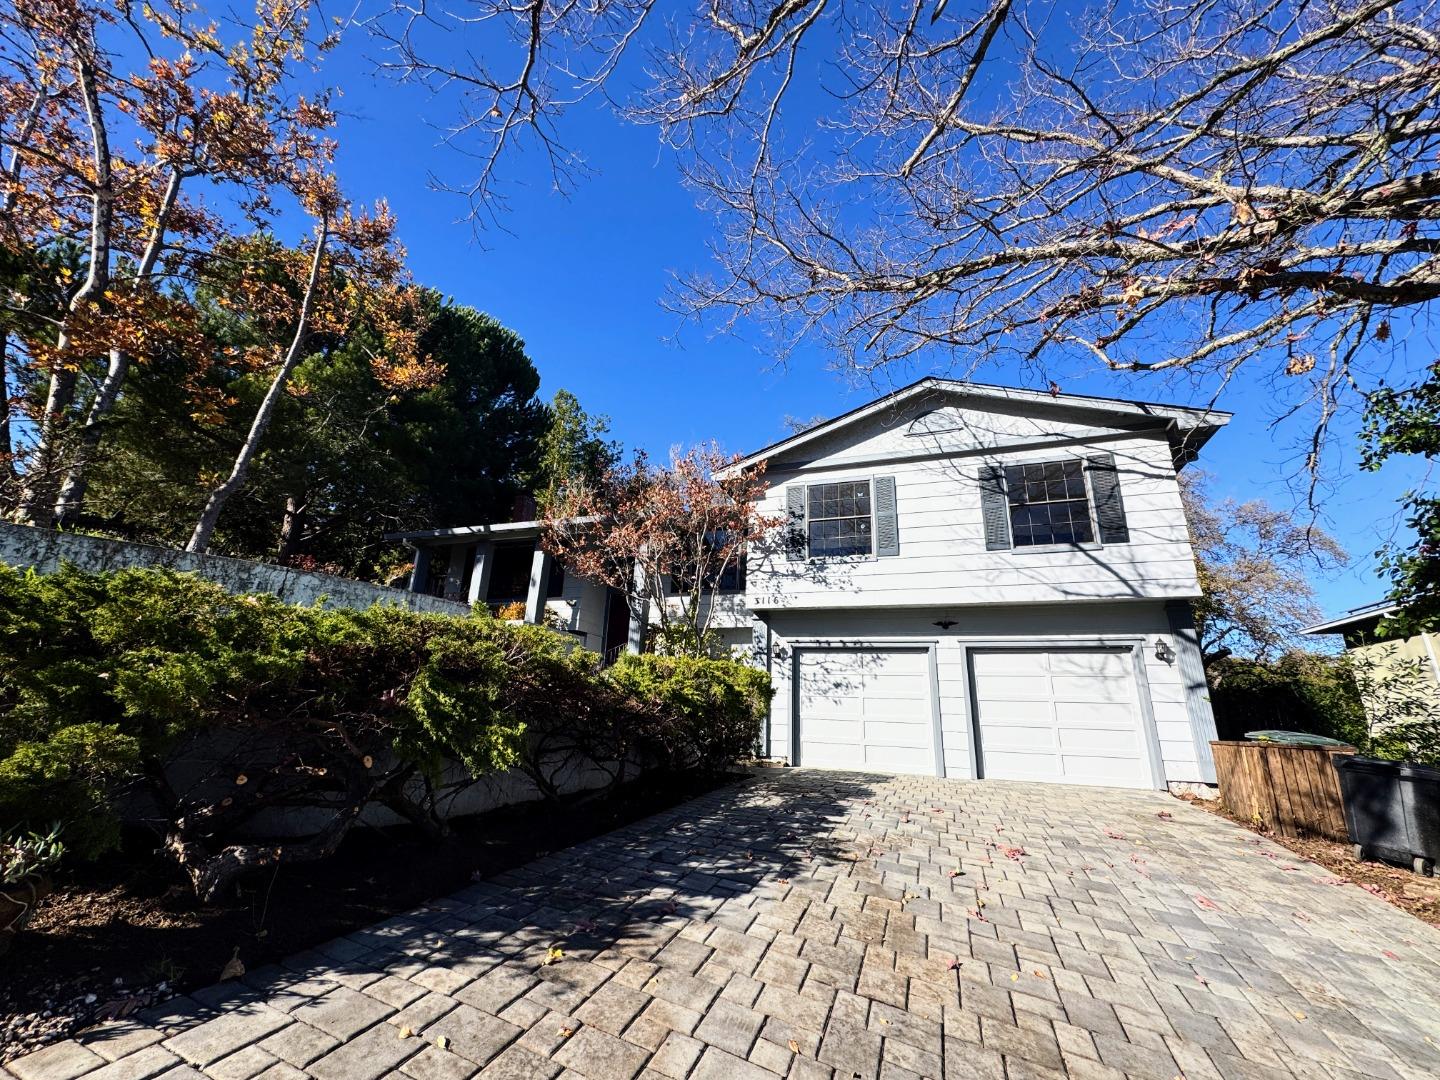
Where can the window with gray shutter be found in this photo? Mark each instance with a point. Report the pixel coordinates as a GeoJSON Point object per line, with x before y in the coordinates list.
{"type": "Point", "coordinates": [993, 508]}
{"type": "Point", "coordinates": [887, 528]}
{"type": "Point", "coordinates": [838, 519]}
{"type": "Point", "coordinates": [1109, 506]}
{"type": "Point", "coordinates": [1048, 505]}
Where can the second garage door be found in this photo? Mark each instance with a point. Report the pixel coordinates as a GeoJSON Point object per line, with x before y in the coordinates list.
{"type": "Point", "coordinates": [1069, 716]}
{"type": "Point", "coordinates": [866, 709]}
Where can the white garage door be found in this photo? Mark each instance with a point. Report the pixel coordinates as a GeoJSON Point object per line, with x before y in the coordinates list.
{"type": "Point", "coordinates": [1070, 716]}
{"type": "Point", "coordinates": [866, 709]}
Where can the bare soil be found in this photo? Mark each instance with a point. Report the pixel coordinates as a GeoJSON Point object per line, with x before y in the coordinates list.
{"type": "Point", "coordinates": [125, 932]}
{"type": "Point", "coordinates": [1415, 893]}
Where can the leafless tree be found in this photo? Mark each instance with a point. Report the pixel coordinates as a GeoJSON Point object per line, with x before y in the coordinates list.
{"type": "Point", "coordinates": [1155, 186]}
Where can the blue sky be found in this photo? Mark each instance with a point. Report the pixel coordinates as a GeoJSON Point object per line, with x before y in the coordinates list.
{"type": "Point", "coordinates": [582, 279]}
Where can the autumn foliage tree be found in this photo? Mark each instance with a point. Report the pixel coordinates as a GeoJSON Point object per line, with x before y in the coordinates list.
{"type": "Point", "coordinates": [662, 532]}
{"type": "Point", "coordinates": [1252, 560]}
{"type": "Point", "coordinates": [137, 138]}
{"type": "Point", "coordinates": [352, 270]}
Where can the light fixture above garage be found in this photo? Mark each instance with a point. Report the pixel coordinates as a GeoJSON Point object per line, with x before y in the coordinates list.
{"type": "Point", "coordinates": [944, 624]}
{"type": "Point", "coordinates": [1163, 652]}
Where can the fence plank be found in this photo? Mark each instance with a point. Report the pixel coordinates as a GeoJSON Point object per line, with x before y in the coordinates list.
{"type": "Point", "coordinates": [1292, 790]}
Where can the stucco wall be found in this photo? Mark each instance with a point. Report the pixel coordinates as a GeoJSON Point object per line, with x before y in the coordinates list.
{"type": "Point", "coordinates": [44, 550]}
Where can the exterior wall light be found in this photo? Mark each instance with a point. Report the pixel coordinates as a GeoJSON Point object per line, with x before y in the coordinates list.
{"type": "Point", "coordinates": [944, 624]}
{"type": "Point", "coordinates": [1163, 652]}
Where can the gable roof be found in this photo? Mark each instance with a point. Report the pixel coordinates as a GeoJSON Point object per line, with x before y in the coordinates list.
{"type": "Point", "coordinates": [1189, 428]}
{"type": "Point", "coordinates": [1360, 618]}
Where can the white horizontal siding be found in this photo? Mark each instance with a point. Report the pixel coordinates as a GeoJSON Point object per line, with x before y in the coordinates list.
{"type": "Point", "coordinates": [1028, 626]}
{"type": "Point", "coordinates": [942, 556]}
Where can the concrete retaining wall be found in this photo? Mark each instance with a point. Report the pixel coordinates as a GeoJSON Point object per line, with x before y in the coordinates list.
{"type": "Point", "coordinates": [44, 550]}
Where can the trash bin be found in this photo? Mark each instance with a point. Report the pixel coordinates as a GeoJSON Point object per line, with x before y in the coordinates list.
{"type": "Point", "coordinates": [1392, 810]}
{"type": "Point", "coordinates": [1293, 738]}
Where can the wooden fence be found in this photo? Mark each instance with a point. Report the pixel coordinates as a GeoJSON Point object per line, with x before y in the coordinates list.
{"type": "Point", "coordinates": [1293, 790]}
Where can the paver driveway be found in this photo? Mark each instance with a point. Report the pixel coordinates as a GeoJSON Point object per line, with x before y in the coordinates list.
{"type": "Point", "coordinates": [810, 924]}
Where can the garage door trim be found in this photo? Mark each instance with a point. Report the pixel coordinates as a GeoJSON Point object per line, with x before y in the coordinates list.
{"type": "Point", "coordinates": [860, 645]}
{"type": "Point", "coordinates": [1136, 648]}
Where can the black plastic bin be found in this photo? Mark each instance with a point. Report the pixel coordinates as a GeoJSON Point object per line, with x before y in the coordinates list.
{"type": "Point", "coordinates": [1392, 810]}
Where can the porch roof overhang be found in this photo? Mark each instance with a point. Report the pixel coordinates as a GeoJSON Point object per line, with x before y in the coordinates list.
{"type": "Point", "coordinates": [501, 530]}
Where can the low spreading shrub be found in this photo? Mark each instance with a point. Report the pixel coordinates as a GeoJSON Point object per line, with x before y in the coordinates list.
{"type": "Point", "coordinates": [107, 680]}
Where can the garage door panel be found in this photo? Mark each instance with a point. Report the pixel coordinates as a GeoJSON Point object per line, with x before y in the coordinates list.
{"type": "Point", "coordinates": [1100, 687]}
{"type": "Point", "coordinates": [831, 729]}
{"type": "Point", "coordinates": [896, 734]}
{"type": "Point", "coordinates": [1072, 718]}
{"type": "Point", "coordinates": [1090, 714]}
{"type": "Point", "coordinates": [1028, 737]}
{"type": "Point", "coordinates": [1013, 765]}
{"type": "Point", "coordinates": [866, 708]}
{"type": "Point", "coordinates": [1107, 771]}
{"type": "Point", "coordinates": [1036, 711]}
{"type": "Point", "coordinates": [1098, 741]}
{"type": "Point", "coordinates": [1010, 687]}
{"type": "Point", "coordinates": [1111, 664]}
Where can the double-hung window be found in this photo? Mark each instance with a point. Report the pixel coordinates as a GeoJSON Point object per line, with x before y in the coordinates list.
{"type": "Point", "coordinates": [838, 520]}
{"type": "Point", "coordinates": [1048, 503]}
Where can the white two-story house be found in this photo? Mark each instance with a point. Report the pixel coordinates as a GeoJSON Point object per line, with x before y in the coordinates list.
{"type": "Point", "coordinates": [974, 582]}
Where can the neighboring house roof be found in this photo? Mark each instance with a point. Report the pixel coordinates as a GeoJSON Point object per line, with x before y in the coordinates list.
{"type": "Point", "coordinates": [1190, 428]}
{"type": "Point", "coordinates": [1360, 618]}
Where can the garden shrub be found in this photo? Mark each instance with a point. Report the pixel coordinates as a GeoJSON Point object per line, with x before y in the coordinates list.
{"type": "Point", "coordinates": [1298, 692]}
{"type": "Point", "coordinates": [712, 709]}
{"type": "Point", "coordinates": [107, 678]}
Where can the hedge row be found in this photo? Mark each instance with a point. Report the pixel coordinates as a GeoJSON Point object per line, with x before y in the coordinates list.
{"type": "Point", "coordinates": [105, 678]}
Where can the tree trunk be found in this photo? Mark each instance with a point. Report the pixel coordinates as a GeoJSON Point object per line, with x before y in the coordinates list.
{"type": "Point", "coordinates": [43, 473]}
{"type": "Point", "coordinates": [205, 527]}
{"type": "Point", "coordinates": [72, 491]}
{"type": "Point", "coordinates": [8, 475]}
{"type": "Point", "coordinates": [291, 528]}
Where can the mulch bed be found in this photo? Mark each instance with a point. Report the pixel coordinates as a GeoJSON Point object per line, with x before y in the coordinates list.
{"type": "Point", "coordinates": [125, 932]}
{"type": "Point", "coordinates": [1412, 892]}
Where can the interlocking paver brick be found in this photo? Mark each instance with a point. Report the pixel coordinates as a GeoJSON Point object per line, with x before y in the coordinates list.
{"type": "Point", "coordinates": [811, 923]}
{"type": "Point", "coordinates": [368, 1056]}
{"type": "Point", "coordinates": [226, 1033]}
{"type": "Point", "coordinates": [471, 1033]}
{"type": "Point", "coordinates": [432, 1063]}
{"type": "Point", "coordinates": [677, 1055]}
{"type": "Point", "coordinates": [730, 1027]}
{"type": "Point", "coordinates": [716, 1064]}
{"type": "Point", "coordinates": [298, 1044]}
{"type": "Point", "coordinates": [598, 1056]}
{"type": "Point", "coordinates": [517, 1063]}
{"type": "Point", "coordinates": [342, 1013]}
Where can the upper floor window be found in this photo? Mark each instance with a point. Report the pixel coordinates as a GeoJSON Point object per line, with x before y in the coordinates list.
{"type": "Point", "coordinates": [839, 521]}
{"type": "Point", "coordinates": [1048, 503]}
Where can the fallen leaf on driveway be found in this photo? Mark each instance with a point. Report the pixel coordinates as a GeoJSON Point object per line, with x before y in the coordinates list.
{"type": "Point", "coordinates": [1206, 902]}
{"type": "Point", "coordinates": [1012, 852]}
{"type": "Point", "coordinates": [1114, 835]}
{"type": "Point", "coordinates": [1165, 815]}
{"type": "Point", "coordinates": [442, 1042]}
{"type": "Point", "coordinates": [1389, 955]}
{"type": "Point", "coordinates": [407, 1032]}
{"type": "Point", "coordinates": [794, 1047]}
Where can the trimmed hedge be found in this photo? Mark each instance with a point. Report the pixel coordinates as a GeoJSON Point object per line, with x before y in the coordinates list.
{"type": "Point", "coordinates": [106, 677]}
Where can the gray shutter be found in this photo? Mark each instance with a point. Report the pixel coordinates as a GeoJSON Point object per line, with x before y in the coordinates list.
{"type": "Point", "coordinates": [1109, 507]}
{"type": "Point", "coordinates": [887, 531]}
{"type": "Point", "coordinates": [994, 508]}
{"type": "Point", "coordinates": [796, 542]}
